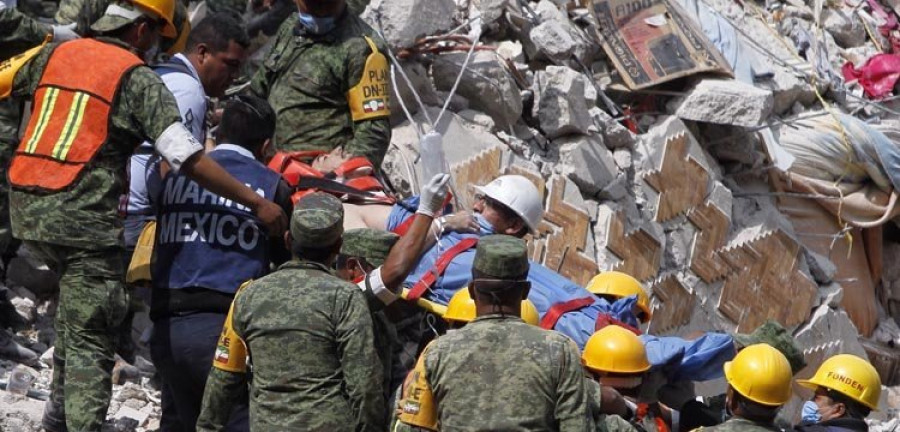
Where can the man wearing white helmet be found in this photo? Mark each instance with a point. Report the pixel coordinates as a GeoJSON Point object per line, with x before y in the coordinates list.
{"type": "Point", "coordinates": [508, 205]}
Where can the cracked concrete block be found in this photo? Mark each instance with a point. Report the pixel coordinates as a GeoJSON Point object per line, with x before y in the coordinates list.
{"type": "Point", "coordinates": [622, 158]}
{"type": "Point", "coordinates": [614, 134]}
{"type": "Point", "coordinates": [587, 162]}
{"type": "Point", "coordinates": [554, 39]}
{"type": "Point", "coordinates": [404, 21]}
{"type": "Point", "coordinates": [487, 84]}
{"type": "Point", "coordinates": [562, 101]}
{"type": "Point", "coordinates": [846, 28]}
{"type": "Point", "coordinates": [787, 89]}
{"type": "Point", "coordinates": [726, 102]}
{"type": "Point", "coordinates": [820, 267]}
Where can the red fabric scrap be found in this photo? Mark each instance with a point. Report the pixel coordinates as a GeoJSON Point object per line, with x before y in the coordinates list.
{"type": "Point", "coordinates": [878, 76]}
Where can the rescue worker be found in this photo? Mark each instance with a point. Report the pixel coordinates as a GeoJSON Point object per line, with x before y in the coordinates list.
{"type": "Point", "coordinates": [713, 411]}
{"type": "Point", "coordinates": [215, 50]}
{"type": "Point", "coordinates": [205, 249]}
{"type": "Point", "coordinates": [847, 389]}
{"type": "Point", "coordinates": [613, 285]}
{"type": "Point", "coordinates": [497, 372]}
{"type": "Point", "coordinates": [378, 262]}
{"type": "Point", "coordinates": [461, 311]}
{"type": "Point", "coordinates": [327, 78]}
{"type": "Point", "coordinates": [615, 357]}
{"type": "Point", "coordinates": [94, 102]}
{"type": "Point", "coordinates": [759, 383]}
{"type": "Point", "coordinates": [18, 32]}
{"type": "Point", "coordinates": [309, 338]}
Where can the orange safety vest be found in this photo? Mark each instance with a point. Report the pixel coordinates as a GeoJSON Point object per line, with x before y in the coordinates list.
{"type": "Point", "coordinates": [70, 115]}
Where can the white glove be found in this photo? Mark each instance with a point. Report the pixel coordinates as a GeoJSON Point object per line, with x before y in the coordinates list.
{"type": "Point", "coordinates": [62, 33]}
{"type": "Point", "coordinates": [432, 195]}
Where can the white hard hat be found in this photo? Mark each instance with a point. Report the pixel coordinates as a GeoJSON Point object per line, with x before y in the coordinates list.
{"type": "Point", "coordinates": [519, 194]}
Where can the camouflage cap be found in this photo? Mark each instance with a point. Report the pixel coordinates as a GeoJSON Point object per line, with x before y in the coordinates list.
{"type": "Point", "coordinates": [501, 257]}
{"type": "Point", "coordinates": [317, 220]}
{"type": "Point", "coordinates": [371, 244]}
{"type": "Point", "coordinates": [775, 335]}
{"type": "Point", "coordinates": [116, 16]}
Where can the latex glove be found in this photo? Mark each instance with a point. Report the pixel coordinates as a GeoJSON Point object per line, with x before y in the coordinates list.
{"type": "Point", "coordinates": [62, 33]}
{"type": "Point", "coordinates": [433, 194]}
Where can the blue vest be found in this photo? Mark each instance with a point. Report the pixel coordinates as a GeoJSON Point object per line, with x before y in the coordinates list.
{"type": "Point", "coordinates": [203, 240]}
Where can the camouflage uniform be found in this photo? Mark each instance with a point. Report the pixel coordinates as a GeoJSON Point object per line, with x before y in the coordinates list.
{"type": "Point", "coordinates": [78, 233]}
{"type": "Point", "coordinates": [19, 33]}
{"type": "Point", "coordinates": [374, 245]}
{"type": "Point", "coordinates": [740, 425]}
{"type": "Point", "coordinates": [309, 336]}
{"type": "Point", "coordinates": [499, 373]}
{"type": "Point", "coordinates": [308, 79]}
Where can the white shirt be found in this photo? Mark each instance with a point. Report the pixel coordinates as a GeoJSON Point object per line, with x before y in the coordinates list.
{"type": "Point", "coordinates": [190, 96]}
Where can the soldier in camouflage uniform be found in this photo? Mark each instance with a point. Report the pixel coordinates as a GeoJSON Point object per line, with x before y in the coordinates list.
{"type": "Point", "coordinates": [72, 223]}
{"type": "Point", "coordinates": [497, 372]}
{"type": "Point", "coordinates": [370, 259]}
{"type": "Point", "coordinates": [309, 337]}
{"type": "Point", "coordinates": [327, 79]}
{"type": "Point", "coordinates": [759, 383]}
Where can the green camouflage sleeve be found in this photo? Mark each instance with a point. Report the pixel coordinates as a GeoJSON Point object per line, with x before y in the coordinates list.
{"type": "Point", "coordinates": [614, 423]}
{"type": "Point", "coordinates": [18, 32]}
{"type": "Point", "coordinates": [27, 78]}
{"type": "Point", "coordinates": [572, 411]}
{"type": "Point", "coordinates": [151, 104]}
{"type": "Point", "coordinates": [222, 389]}
{"type": "Point", "coordinates": [359, 362]}
{"type": "Point", "coordinates": [262, 80]}
{"type": "Point", "coordinates": [370, 137]}
{"type": "Point", "coordinates": [68, 11]}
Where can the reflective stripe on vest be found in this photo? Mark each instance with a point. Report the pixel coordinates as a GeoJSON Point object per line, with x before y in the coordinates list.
{"type": "Point", "coordinates": [73, 104]}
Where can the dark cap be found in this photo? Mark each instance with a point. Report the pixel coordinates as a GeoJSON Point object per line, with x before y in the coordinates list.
{"type": "Point", "coordinates": [501, 257]}
{"type": "Point", "coordinates": [317, 221]}
{"type": "Point", "coordinates": [371, 244]}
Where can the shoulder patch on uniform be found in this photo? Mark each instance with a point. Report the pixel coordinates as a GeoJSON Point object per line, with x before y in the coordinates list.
{"type": "Point", "coordinates": [370, 98]}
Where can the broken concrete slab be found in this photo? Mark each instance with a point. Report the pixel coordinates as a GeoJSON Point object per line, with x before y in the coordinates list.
{"type": "Point", "coordinates": [726, 102]}
{"type": "Point", "coordinates": [843, 24]}
{"type": "Point", "coordinates": [404, 21]}
{"type": "Point", "coordinates": [421, 84]}
{"type": "Point", "coordinates": [562, 101]}
{"type": "Point", "coordinates": [587, 162]}
{"type": "Point", "coordinates": [614, 134]}
{"type": "Point", "coordinates": [554, 39]}
{"type": "Point", "coordinates": [487, 84]}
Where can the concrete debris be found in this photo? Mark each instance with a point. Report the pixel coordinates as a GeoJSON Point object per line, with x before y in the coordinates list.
{"type": "Point", "coordinates": [555, 40]}
{"type": "Point", "coordinates": [404, 21]}
{"type": "Point", "coordinates": [487, 84]}
{"type": "Point", "coordinates": [421, 85]}
{"type": "Point", "coordinates": [614, 134]}
{"type": "Point", "coordinates": [726, 102]}
{"type": "Point", "coordinates": [845, 26]}
{"type": "Point", "coordinates": [35, 276]}
{"type": "Point", "coordinates": [587, 162]}
{"type": "Point", "coordinates": [563, 98]}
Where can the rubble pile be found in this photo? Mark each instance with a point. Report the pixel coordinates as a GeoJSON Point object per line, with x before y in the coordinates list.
{"type": "Point", "coordinates": [668, 163]}
{"type": "Point", "coordinates": [663, 151]}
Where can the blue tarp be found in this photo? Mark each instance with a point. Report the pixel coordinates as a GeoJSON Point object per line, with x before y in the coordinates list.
{"type": "Point", "coordinates": [696, 360]}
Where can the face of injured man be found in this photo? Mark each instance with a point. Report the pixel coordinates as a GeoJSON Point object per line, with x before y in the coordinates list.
{"type": "Point", "coordinates": [500, 217]}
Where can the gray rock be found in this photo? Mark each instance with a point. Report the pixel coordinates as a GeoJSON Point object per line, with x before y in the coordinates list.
{"type": "Point", "coordinates": [614, 134]}
{"type": "Point", "coordinates": [34, 276]}
{"type": "Point", "coordinates": [404, 21]}
{"type": "Point", "coordinates": [846, 28]}
{"type": "Point", "coordinates": [587, 162]}
{"type": "Point", "coordinates": [726, 102]}
{"type": "Point", "coordinates": [820, 267]}
{"type": "Point", "coordinates": [554, 40]}
{"type": "Point", "coordinates": [487, 84]}
{"type": "Point", "coordinates": [562, 101]}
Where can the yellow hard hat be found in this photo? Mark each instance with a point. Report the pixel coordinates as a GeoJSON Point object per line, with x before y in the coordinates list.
{"type": "Point", "coordinates": [165, 9]}
{"type": "Point", "coordinates": [620, 285]}
{"type": "Point", "coordinates": [461, 308]}
{"type": "Point", "coordinates": [176, 45]}
{"type": "Point", "coordinates": [760, 373]}
{"type": "Point", "coordinates": [530, 313]}
{"type": "Point", "coordinates": [849, 375]}
{"type": "Point", "coordinates": [615, 349]}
